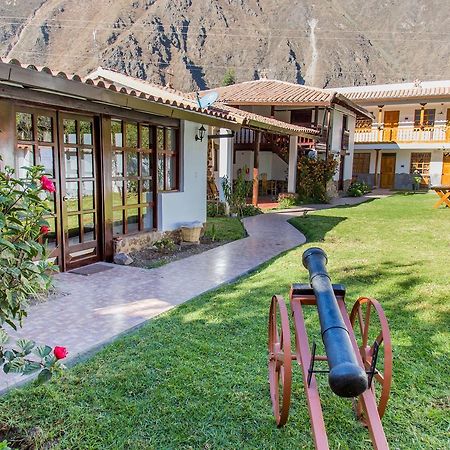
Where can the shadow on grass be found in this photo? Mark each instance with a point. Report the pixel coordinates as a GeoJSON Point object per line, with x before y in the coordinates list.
{"type": "Point", "coordinates": [316, 227]}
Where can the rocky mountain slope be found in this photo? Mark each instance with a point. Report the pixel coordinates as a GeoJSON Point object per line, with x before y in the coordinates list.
{"type": "Point", "coordinates": [192, 43]}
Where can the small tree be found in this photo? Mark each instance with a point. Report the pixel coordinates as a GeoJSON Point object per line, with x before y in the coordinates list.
{"type": "Point", "coordinates": [229, 78]}
{"type": "Point", "coordinates": [24, 268]}
{"type": "Point", "coordinates": [236, 196]}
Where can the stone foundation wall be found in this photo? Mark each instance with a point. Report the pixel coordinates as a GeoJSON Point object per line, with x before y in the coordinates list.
{"type": "Point", "coordinates": [133, 243]}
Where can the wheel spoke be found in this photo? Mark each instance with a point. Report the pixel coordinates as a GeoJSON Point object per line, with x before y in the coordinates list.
{"type": "Point", "coordinates": [361, 321]}
{"type": "Point", "coordinates": [365, 335]}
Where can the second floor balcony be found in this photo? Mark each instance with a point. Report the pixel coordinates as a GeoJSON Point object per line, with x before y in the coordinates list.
{"type": "Point", "coordinates": [389, 135]}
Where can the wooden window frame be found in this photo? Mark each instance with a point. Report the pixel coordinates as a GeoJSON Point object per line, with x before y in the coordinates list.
{"type": "Point", "coordinates": [124, 178]}
{"type": "Point", "coordinates": [167, 154]}
{"type": "Point", "coordinates": [427, 123]}
{"type": "Point", "coordinates": [361, 160]}
{"type": "Point", "coordinates": [422, 165]}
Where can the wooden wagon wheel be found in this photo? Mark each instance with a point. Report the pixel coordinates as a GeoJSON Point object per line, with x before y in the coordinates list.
{"type": "Point", "coordinates": [280, 360]}
{"type": "Point", "coordinates": [371, 327]}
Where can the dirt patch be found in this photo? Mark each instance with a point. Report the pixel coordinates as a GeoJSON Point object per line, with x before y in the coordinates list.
{"type": "Point", "coordinates": [16, 438]}
{"type": "Point", "coordinates": [151, 258]}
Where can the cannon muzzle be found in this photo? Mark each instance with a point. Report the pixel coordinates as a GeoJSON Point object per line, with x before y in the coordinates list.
{"type": "Point", "coordinates": [346, 378]}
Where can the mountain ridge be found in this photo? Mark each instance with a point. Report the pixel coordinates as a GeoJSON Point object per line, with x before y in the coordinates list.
{"type": "Point", "coordinates": [328, 43]}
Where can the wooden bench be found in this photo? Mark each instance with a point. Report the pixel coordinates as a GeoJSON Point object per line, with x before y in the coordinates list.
{"type": "Point", "coordinates": [444, 195]}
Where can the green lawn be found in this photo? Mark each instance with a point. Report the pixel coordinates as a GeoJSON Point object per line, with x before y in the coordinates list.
{"type": "Point", "coordinates": [196, 377]}
{"type": "Point", "coordinates": [224, 228]}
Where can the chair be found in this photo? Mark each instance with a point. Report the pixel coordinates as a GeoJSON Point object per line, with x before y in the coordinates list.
{"type": "Point", "coordinates": [264, 187]}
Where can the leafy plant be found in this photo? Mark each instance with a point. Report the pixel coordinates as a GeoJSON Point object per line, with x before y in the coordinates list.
{"type": "Point", "coordinates": [251, 210]}
{"type": "Point", "coordinates": [312, 179]}
{"type": "Point", "coordinates": [357, 189]}
{"type": "Point", "coordinates": [24, 268]}
{"type": "Point", "coordinates": [229, 78]}
{"type": "Point", "coordinates": [287, 200]}
{"type": "Point", "coordinates": [165, 245]}
{"type": "Point", "coordinates": [215, 209]}
{"type": "Point", "coordinates": [236, 196]}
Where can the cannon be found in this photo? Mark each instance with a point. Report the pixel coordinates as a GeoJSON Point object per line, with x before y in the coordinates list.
{"type": "Point", "coordinates": [358, 352]}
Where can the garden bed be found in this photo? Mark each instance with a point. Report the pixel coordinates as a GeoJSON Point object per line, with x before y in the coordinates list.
{"type": "Point", "coordinates": [219, 231]}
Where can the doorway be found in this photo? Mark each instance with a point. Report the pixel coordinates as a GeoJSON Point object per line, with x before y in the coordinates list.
{"type": "Point", "coordinates": [391, 119]}
{"type": "Point", "coordinates": [79, 192]}
{"type": "Point", "coordinates": [445, 179]}
{"type": "Point", "coordinates": [387, 172]}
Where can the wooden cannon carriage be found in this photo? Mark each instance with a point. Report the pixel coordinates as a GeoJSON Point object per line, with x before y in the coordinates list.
{"type": "Point", "coordinates": [357, 346]}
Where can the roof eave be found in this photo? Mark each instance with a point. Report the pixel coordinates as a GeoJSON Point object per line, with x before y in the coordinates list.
{"type": "Point", "coordinates": [342, 100]}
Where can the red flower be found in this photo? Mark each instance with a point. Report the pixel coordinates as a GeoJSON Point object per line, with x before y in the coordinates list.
{"type": "Point", "coordinates": [44, 229]}
{"type": "Point", "coordinates": [60, 352]}
{"type": "Point", "coordinates": [47, 185]}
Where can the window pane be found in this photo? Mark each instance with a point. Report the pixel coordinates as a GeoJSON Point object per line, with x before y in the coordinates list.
{"type": "Point", "coordinates": [145, 136]}
{"type": "Point", "coordinates": [71, 199]}
{"type": "Point", "coordinates": [133, 220]}
{"type": "Point", "coordinates": [171, 172]}
{"type": "Point", "coordinates": [71, 162]}
{"type": "Point", "coordinates": [118, 222]}
{"type": "Point", "coordinates": [88, 227]}
{"type": "Point", "coordinates": [46, 160]}
{"type": "Point", "coordinates": [146, 164]}
{"type": "Point", "coordinates": [70, 131]}
{"type": "Point", "coordinates": [132, 192]}
{"type": "Point", "coordinates": [147, 194]}
{"type": "Point", "coordinates": [132, 137]}
{"type": "Point", "coordinates": [117, 164]}
{"type": "Point", "coordinates": [160, 139]}
{"type": "Point", "coordinates": [147, 217]}
{"type": "Point", "coordinates": [171, 142]}
{"type": "Point", "coordinates": [116, 133]}
{"type": "Point", "coordinates": [86, 132]}
{"type": "Point", "coordinates": [87, 162]}
{"type": "Point", "coordinates": [24, 126]}
{"type": "Point", "coordinates": [161, 172]}
{"type": "Point", "coordinates": [24, 158]}
{"type": "Point", "coordinates": [51, 202]}
{"type": "Point", "coordinates": [87, 198]}
{"type": "Point", "coordinates": [74, 230]}
{"type": "Point", "coordinates": [51, 235]}
{"type": "Point", "coordinates": [117, 189]}
{"type": "Point", "coordinates": [45, 129]}
{"type": "Point", "coordinates": [132, 164]}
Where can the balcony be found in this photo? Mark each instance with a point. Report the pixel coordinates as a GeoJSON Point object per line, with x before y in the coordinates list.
{"type": "Point", "coordinates": [387, 135]}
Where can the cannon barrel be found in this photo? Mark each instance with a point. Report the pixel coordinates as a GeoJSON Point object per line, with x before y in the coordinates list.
{"type": "Point", "coordinates": [346, 378]}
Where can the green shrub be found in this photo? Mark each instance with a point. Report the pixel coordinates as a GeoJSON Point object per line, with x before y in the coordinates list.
{"type": "Point", "coordinates": [287, 200]}
{"type": "Point", "coordinates": [24, 269]}
{"type": "Point", "coordinates": [251, 210]}
{"type": "Point", "coordinates": [358, 189]}
{"type": "Point", "coordinates": [312, 179]}
{"type": "Point", "coordinates": [215, 209]}
{"type": "Point", "coordinates": [165, 245]}
{"type": "Point", "coordinates": [236, 195]}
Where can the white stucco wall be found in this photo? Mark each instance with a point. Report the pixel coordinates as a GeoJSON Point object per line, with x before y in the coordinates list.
{"type": "Point", "coordinates": [189, 203]}
{"type": "Point", "coordinates": [269, 163]}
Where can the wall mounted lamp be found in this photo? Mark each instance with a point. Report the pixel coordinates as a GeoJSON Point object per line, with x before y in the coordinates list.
{"type": "Point", "coordinates": [200, 134]}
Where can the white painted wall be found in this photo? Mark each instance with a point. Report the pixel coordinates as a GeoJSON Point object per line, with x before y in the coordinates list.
{"type": "Point", "coordinates": [269, 163]}
{"type": "Point", "coordinates": [225, 163]}
{"type": "Point", "coordinates": [188, 204]}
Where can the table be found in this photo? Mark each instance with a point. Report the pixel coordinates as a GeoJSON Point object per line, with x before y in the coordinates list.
{"type": "Point", "coordinates": [444, 195]}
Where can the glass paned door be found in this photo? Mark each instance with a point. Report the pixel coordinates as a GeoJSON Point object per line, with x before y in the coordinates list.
{"type": "Point", "coordinates": [80, 197]}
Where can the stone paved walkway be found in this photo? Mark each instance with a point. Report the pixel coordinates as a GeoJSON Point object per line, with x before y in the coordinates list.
{"type": "Point", "coordinates": [93, 310]}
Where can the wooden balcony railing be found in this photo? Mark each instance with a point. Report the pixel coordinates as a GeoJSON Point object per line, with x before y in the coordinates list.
{"type": "Point", "coordinates": [403, 134]}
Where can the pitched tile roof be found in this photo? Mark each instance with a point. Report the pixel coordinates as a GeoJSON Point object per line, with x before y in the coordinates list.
{"type": "Point", "coordinates": [272, 92]}
{"type": "Point", "coordinates": [415, 90]}
{"type": "Point", "coordinates": [43, 78]}
{"type": "Point", "coordinates": [247, 119]}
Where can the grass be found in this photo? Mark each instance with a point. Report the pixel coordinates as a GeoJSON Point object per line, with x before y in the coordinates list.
{"type": "Point", "coordinates": [196, 377]}
{"type": "Point", "coordinates": [224, 228]}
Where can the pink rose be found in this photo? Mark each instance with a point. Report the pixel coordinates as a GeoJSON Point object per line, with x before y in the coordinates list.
{"type": "Point", "coordinates": [47, 185]}
{"type": "Point", "coordinates": [60, 352]}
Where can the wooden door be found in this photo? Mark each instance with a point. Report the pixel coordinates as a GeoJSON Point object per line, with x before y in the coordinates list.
{"type": "Point", "coordinates": [390, 129]}
{"type": "Point", "coordinates": [387, 172]}
{"type": "Point", "coordinates": [79, 191]}
{"type": "Point", "coordinates": [445, 179]}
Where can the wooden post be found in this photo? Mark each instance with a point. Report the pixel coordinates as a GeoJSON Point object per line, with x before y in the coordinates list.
{"type": "Point", "coordinates": [256, 168]}
{"type": "Point", "coordinates": [422, 119]}
{"type": "Point", "coordinates": [377, 157]}
{"type": "Point", "coordinates": [380, 123]}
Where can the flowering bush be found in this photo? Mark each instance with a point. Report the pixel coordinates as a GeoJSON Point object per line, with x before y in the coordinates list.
{"type": "Point", "coordinates": [287, 200]}
{"type": "Point", "coordinates": [24, 268]}
{"type": "Point", "coordinates": [312, 179]}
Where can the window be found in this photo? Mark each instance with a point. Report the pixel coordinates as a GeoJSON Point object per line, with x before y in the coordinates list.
{"type": "Point", "coordinates": [361, 163]}
{"type": "Point", "coordinates": [168, 158]}
{"type": "Point", "coordinates": [421, 163]}
{"type": "Point", "coordinates": [35, 146]}
{"type": "Point", "coordinates": [132, 176]}
{"type": "Point", "coordinates": [428, 118]}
